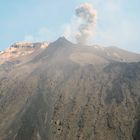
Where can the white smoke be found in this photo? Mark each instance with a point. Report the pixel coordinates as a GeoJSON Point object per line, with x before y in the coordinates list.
{"type": "Point", "coordinates": [88, 15]}
{"type": "Point", "coordinates": [83, 24]}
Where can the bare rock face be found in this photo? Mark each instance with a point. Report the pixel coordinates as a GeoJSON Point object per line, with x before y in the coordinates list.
{"type": "Point", "coordinates": [71, 92]}
{"type": "Point", "coordinates": [20, 50]}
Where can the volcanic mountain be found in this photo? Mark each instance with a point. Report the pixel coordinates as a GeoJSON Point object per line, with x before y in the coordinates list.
{"type": "Point", "coordinates": [66, 91]}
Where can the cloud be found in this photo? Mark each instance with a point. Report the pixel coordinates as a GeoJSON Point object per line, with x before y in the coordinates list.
{"type": "Point", "coordinates": [114, 26]}
{"type": "Point", "coordinates": [42, 34]}
{"type": "Point", "coordinates": [29, 38]}
{"type": "Point", "coordinates": [70, 29]}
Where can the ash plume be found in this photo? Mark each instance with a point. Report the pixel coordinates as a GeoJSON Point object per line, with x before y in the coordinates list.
{"type": "Point", "coordinates": [87, 16]}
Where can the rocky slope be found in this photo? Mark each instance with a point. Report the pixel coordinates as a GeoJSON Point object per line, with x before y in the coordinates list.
{"type": "Point", "coordinates": [70, 92]}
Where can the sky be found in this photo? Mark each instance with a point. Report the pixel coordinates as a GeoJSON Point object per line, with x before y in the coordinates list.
{"type": "Point", "coordinates": [118, 21]}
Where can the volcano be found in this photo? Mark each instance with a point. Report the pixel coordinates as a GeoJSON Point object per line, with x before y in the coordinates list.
{"type": "Point", "coordinates": [66, 91]}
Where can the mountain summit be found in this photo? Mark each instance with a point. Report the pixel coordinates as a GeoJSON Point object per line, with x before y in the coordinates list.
{"type": "Point", "coordinates": [65, 91]}
{"type": "Point", "coordinates": [62, 40]}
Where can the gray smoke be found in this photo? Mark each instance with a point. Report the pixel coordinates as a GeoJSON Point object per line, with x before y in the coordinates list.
{"type": "Point", "coordinates": [87, 14]}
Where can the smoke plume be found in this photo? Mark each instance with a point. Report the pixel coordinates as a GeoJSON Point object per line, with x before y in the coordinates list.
{"type": "Point", "coordinates": [87, 15]}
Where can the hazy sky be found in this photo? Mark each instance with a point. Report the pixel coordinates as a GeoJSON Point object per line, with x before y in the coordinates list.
{"type": "Point", "coordinates": [118, 21]}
